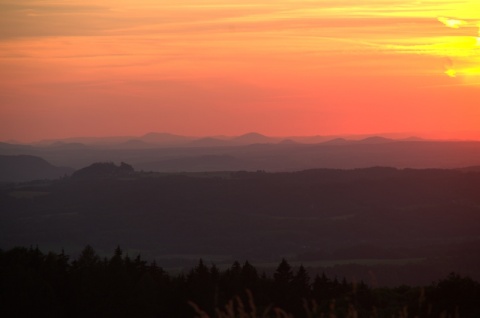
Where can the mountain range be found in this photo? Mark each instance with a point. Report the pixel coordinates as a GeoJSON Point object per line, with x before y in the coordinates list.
{"type": "Point", "coordinates": [163, 152]}
{"type": "Point", "coordinates": [163, 139]}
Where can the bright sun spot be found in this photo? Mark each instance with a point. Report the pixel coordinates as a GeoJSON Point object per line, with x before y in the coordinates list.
{"type": "Point", "coordinates": [452, 23]}
{"type": "Point", "coordinates": [451, 72]}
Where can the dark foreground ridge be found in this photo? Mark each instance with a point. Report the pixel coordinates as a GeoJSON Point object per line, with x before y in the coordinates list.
{"type": "Point", "coordinates": [35, 284]}
{"type": "Point", "coordinates": [386, 226]}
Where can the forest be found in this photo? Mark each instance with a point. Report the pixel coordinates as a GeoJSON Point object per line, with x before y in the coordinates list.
{"type": "Point", "coordinates": [51, 284]}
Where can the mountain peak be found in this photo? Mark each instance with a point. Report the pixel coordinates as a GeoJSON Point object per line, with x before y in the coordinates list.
{"type": "Point", "coordinates": [375, 140]}
{"type": "Point", "coordinates": [252, 138]}
{"type": "Point", "coordinates": [253, 134]}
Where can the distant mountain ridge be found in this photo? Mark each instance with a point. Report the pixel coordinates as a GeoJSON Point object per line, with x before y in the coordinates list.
{"type": "Point", "coordinates": [164, 152]}
{"type": "Point", "coordinates": [254, 138]}
{"type": "Point", "coordinates": [209, 142]}
{"type": "Point", "coordinates": [163, 139]}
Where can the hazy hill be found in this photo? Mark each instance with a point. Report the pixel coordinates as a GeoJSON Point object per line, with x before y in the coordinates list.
{"type": "Point", "coordinates": [287, 142]}
{"type": "Point", "coordinates": [67, 145]}
{"type": "Point", "coordinates": [210, 142]}
{"type": "Point", "coordinates": [101, 170]}
{"type": "Point", "coordinates": [135, 144]}
{"type": "Point", "coordinates": [86, 140]}
{"type": "Point", "coordinates": [25, 168]}
{"type": "Point", "coordinates": [198, 163]}
{"type": "Point", "coordinates": [257, 152]}
{"type": "Point", "coordinates": [375, 140]}
{"type": "Point", "coordinates": [253, 138]}
{"type": "Point", "coordinates": [336, 141]}
{"type": "Point", "coordinates": [11, 148]}
{"type": "Point", "coordinates": [165, 139]}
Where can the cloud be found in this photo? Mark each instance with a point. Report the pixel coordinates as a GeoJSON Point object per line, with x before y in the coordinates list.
{"type": "Point", "coordinates": [222, 34]}
{"type": "Point", "coordinates": [22, 19]}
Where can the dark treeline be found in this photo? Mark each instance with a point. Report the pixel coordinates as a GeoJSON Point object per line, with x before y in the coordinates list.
{"type": "Point", "coordinates": [34, 284]}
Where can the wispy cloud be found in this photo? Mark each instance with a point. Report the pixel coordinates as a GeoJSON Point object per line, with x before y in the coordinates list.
{"type": "Point", "coordinates": [29, 18]}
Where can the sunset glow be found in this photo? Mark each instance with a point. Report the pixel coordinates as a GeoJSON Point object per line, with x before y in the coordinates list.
{"type": "Point", "coordinates": [207, 67]}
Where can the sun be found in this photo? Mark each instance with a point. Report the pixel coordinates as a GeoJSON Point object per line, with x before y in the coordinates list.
{"type": "Point", "coordinates": [463, 51]}
{"type": "Point", "coordinates": [451, 72]}
{"type": "Point", "coordinates": [452, 23]}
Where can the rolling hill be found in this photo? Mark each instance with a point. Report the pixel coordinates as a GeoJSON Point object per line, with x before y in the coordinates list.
{"type": "Point", "coordinates": [20, 168]}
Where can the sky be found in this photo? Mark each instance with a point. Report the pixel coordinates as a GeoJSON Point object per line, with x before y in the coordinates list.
{"type": "Point", "coordinates": [210, 67]}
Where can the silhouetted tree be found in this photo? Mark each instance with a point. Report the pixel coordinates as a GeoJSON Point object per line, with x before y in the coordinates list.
{"type": "Point", "coordinates": [88, 259]}
{"type": "Point", "coordinates": [301, 283]}
{"type": "Point", "coordinates": [282, 283]}
{"type": "Point", "coordinates": [283, 275]}
{"type": "Point", "coordinates": [201, 287]}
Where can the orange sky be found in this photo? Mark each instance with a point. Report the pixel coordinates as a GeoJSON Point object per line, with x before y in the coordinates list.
{"type": "Point", "coordinates": [207, 67]}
